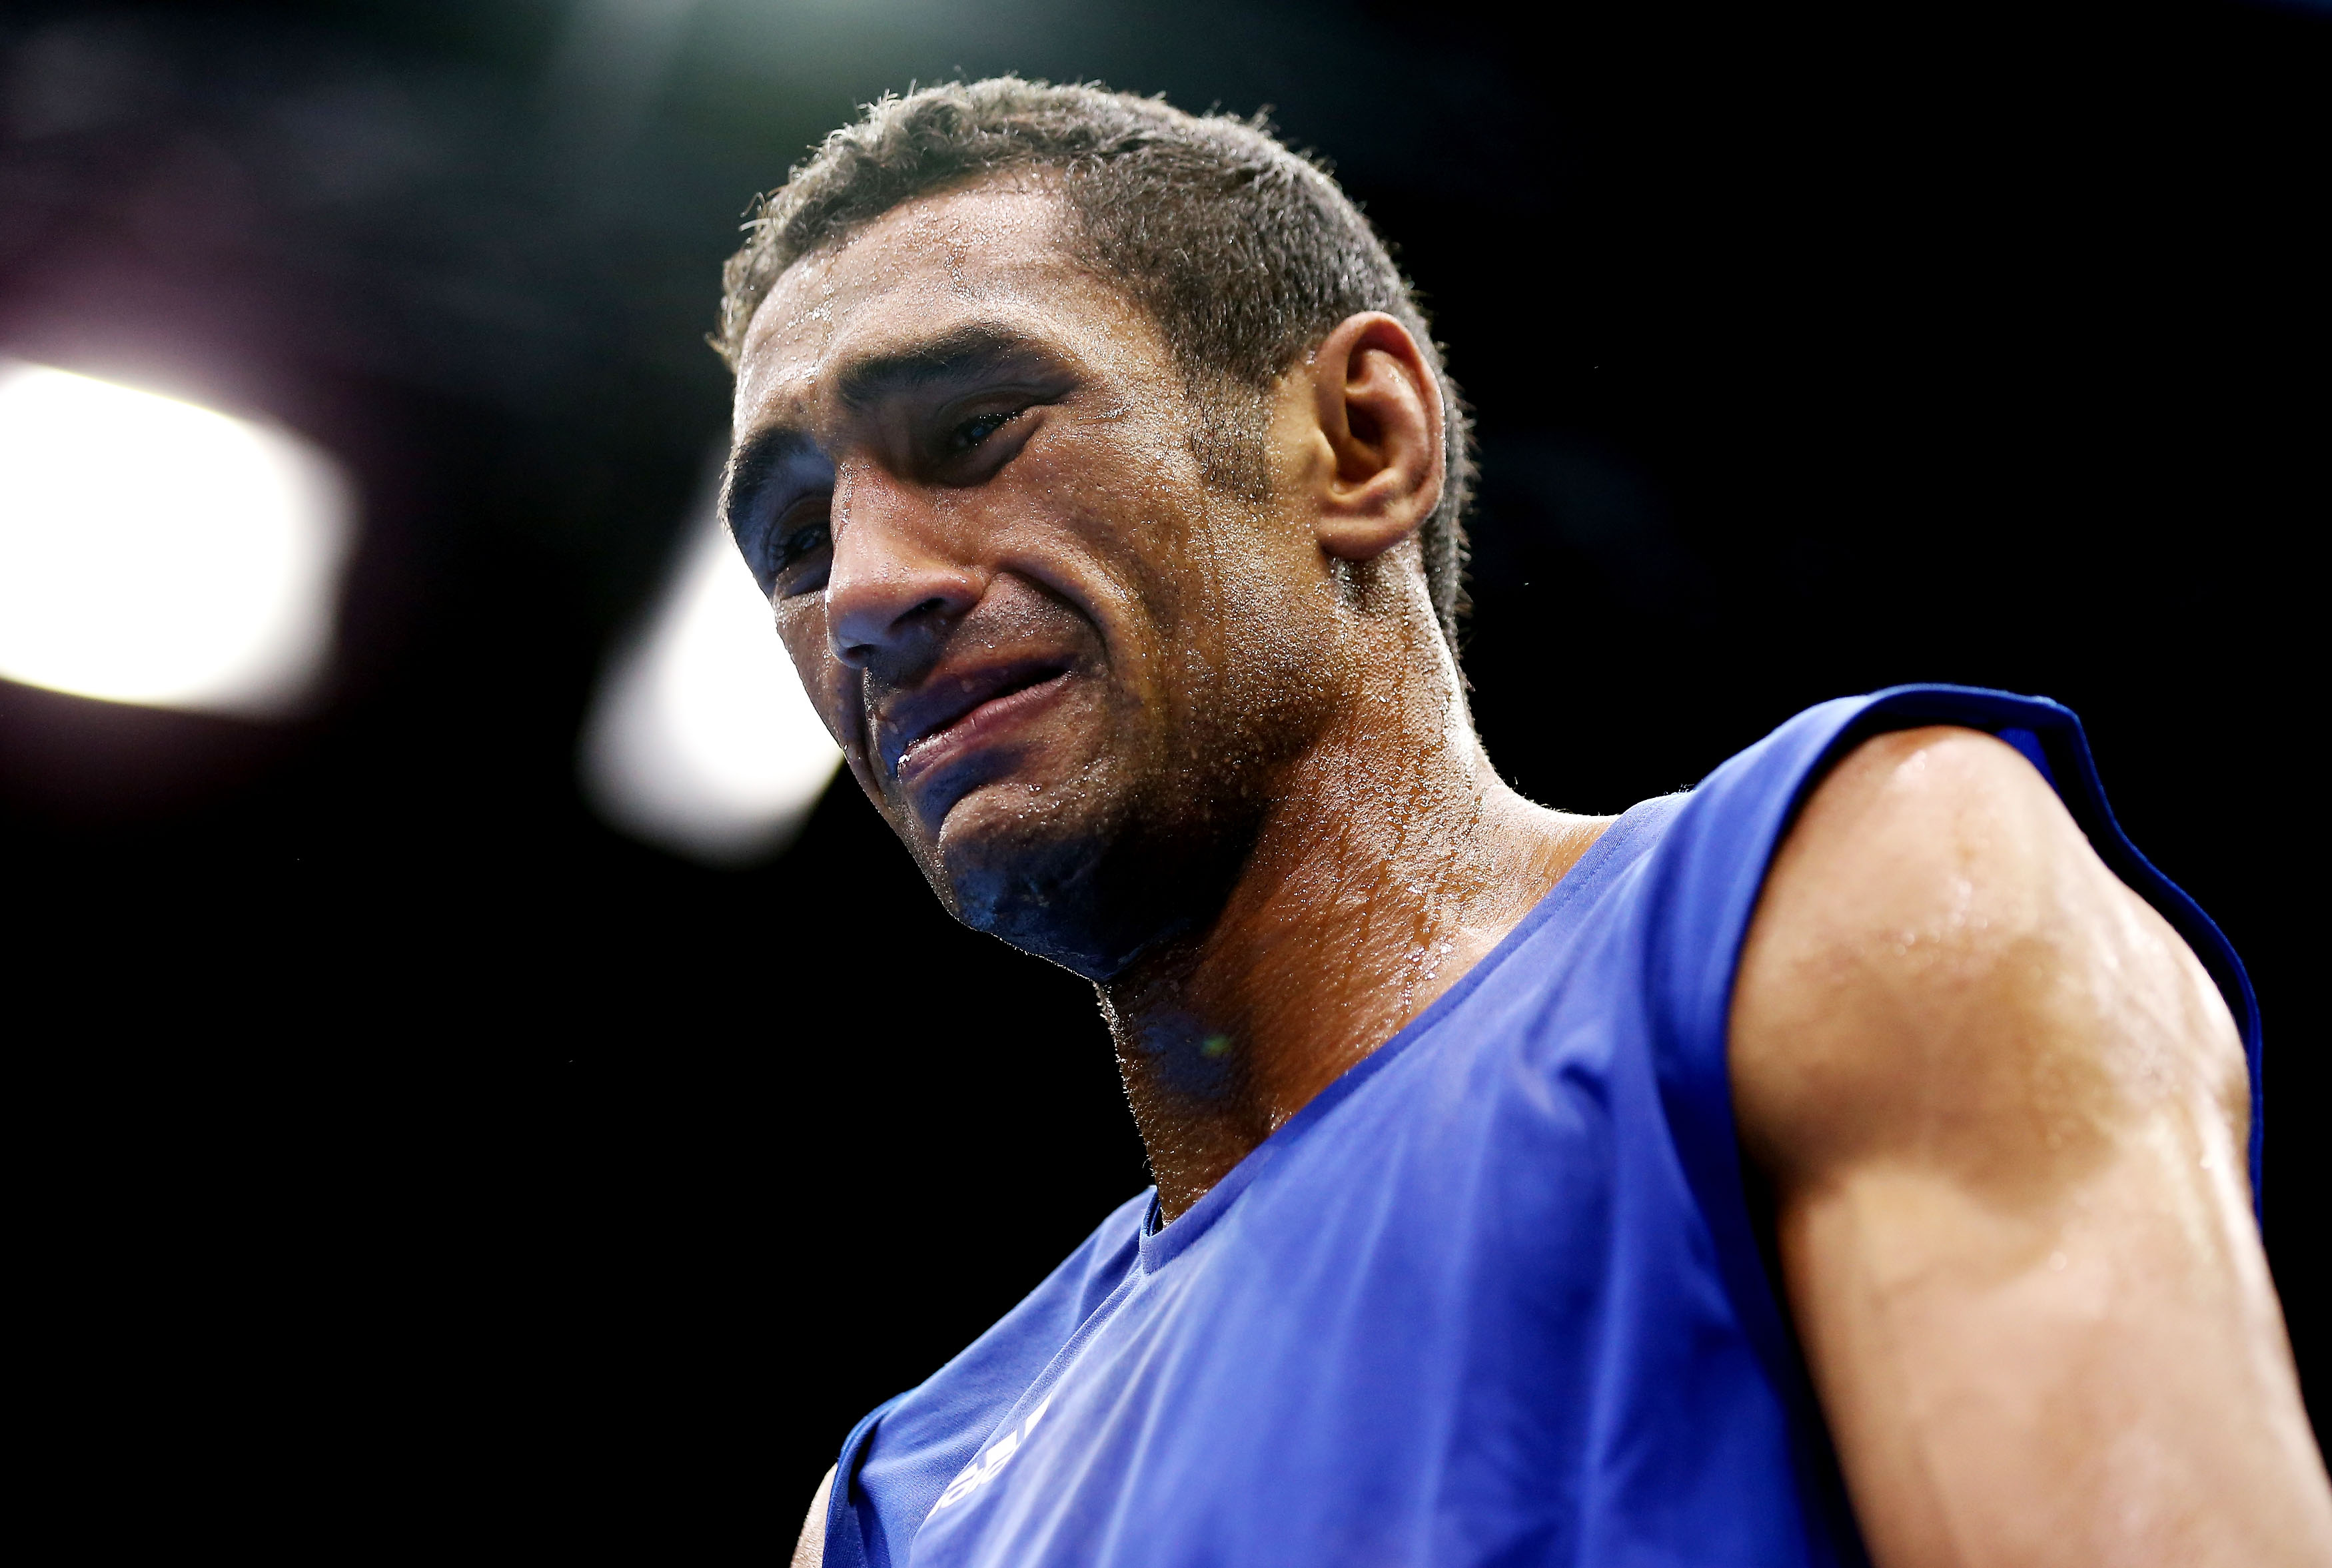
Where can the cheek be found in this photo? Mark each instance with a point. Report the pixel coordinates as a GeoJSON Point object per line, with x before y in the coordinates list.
{"type": "Point", "coordinates": [1128, 505]}
{"type": "Point", "coordinates": [830, 683]}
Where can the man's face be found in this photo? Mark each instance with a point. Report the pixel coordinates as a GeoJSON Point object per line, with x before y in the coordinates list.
{"type": "Point", "coordinates": [1063, 666]}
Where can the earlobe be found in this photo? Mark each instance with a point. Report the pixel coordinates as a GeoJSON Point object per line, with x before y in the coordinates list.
{"type": "Point", "coordinates": [1379, 409]}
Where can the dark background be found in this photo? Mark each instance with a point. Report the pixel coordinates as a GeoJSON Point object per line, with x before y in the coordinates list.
{"type": "Point", "coordinates": [407, 1160]}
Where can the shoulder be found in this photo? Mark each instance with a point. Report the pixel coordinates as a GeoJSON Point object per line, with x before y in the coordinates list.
{"type": "Point", "coordinates": [1940, 967]}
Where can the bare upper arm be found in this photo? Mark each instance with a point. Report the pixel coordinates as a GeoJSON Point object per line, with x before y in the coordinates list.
{"type": "Point", "coordinates": [1941, 966]}
{"type": "Point", "coordinates": [2004, 1108]}
{"type": "Point", "coordinates": [810, 1550]}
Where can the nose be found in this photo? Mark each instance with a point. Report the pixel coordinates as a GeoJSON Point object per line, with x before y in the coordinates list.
{"type": "Point", "coordinates": [892, 584]}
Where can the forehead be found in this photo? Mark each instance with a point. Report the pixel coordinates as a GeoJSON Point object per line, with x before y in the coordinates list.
{"type": "Point", "coordinates": [999, 253]}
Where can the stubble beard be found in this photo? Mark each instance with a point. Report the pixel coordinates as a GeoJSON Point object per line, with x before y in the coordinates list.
{"type": "Point", "coordinates": [1108, 865]}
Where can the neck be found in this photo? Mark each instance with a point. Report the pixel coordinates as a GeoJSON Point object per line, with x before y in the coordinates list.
{"type": "Point", "coordinates": [1390, 863]}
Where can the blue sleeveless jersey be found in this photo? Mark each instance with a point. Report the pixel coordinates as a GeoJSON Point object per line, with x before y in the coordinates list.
{"type": "Point", "coordinates": [1494, 1296]}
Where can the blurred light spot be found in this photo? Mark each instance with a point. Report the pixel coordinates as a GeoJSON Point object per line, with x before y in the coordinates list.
{"type": "Point", "coordinates": [157, 553]}
{"type": "Point", "coordinates": [700, 739]}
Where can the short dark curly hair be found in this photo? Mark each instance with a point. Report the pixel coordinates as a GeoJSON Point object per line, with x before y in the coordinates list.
{"type": "Point", "coordinates": [1245, 253]}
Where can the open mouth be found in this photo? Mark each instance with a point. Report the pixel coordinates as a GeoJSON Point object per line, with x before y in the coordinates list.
{"type": "Point", "coordinates": [988, 704]}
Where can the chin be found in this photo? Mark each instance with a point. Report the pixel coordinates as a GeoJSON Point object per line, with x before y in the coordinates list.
{"type": "Point", "coordinates": [1088, 890]}
{"type": "Point", "coordinates": [1054, 884]}
{"type": "Point", "coordinates": [1045, 893]}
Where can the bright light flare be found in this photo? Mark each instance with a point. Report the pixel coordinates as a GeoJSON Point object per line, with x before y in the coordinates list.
{"type": "Point", "coordinates": [700, 739]}
{"type": "Point", "coordinates": [157, 553]}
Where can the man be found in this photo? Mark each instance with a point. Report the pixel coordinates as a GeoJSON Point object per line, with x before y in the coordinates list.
{"type": "Point", "coordinates": [1855, 1153]}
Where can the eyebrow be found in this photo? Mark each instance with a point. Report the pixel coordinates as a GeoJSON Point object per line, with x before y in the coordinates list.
{"type": "Point", "coordinates": [969, 352]}
{"type": "Point", "coordinates": [751, 467]}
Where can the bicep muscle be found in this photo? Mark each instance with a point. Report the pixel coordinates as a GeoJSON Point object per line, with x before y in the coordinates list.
{"type": "Point", "coordinates": [2003, 1108]}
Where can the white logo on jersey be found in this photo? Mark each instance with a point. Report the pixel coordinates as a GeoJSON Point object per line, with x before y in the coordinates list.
{"type": "Point", "coordinates": [983, 1467]}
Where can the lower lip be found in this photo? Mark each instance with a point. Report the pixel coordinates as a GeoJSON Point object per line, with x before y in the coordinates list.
{"type": "Point", "coordinates": [979, 725]}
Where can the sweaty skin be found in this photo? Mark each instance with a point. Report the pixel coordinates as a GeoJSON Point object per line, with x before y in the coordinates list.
{"type": "Point", "coordinates": [1242, 794]}
{"type": "Point", "coordinates": [1204, 744]}
{"type": "Point", "coordinates": [2005, 1110]}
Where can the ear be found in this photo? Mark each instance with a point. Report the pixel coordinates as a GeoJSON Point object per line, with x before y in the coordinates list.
{"type": "Point", "coordinates": [1378, 408]}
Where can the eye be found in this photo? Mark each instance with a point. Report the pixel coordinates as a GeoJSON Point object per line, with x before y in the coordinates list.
{"type": "Point", "coordinates": [978, 427]}
{"type": "Point", "coordinates": [800, 543]}
{"type": "Point", "coordinates": [802, 534]}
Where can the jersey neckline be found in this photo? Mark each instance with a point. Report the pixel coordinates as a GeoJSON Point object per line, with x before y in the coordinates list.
{"type": "Point", "coordinates": [1158, 1246]}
